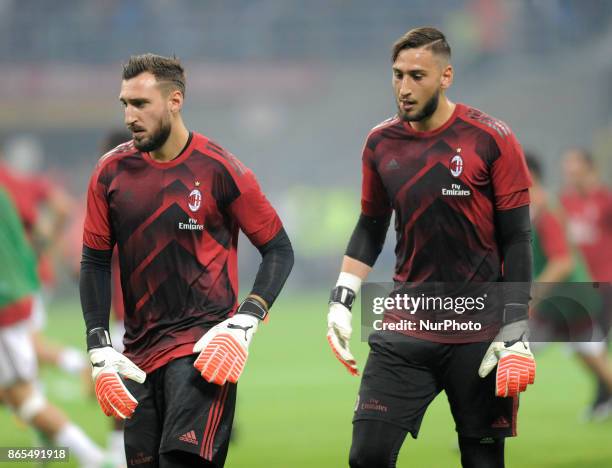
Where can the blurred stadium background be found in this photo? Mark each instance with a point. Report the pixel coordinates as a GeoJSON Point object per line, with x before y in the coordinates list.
{"type": "Point", "coordinates": [292, 88]}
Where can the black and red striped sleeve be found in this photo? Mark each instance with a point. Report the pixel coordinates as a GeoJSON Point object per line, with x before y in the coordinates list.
{"type": "Point", "coordinates": [251, 209]}
{"type": "Point", "coordinates": [98, 240]}
{"type": "Point", "coordinates": [97, 231]}
{"type": "Point", "coordinates": [261, 224]}
{"type": "Point", "coordinates": [374, 198]}
{"type": "Point", "coordinates": [509, 174]}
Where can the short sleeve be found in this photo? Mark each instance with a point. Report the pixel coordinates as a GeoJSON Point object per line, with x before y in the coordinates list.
{"type": "Point", "coordinates": [512, 200]}
{"type": "Point", "coordinates": [374, 198]}
{"type": "Point", "coordinates": [251, 209]}
{"type": "Point", "coordinates": [552, 237]}
{"type": "Point", "coordinates": [43, 189]}
{"type": "Point", "coordinates": [509, 173]}
{"type": "Point", "coordinates": [97, 233]}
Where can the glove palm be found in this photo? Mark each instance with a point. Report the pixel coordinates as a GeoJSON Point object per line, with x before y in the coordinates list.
{"type": "Point", "coordinates": [515, 363]}
{"type": "Point", "coordinates": [107, 368]}
{"type": "Point", "coordinates": [224, 349]}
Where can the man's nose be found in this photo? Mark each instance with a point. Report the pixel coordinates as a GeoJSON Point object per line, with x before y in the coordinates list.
{"type": "Point", "coordinates": [405, 88]}
{"type": "Point", "coordinates": [129, 117]}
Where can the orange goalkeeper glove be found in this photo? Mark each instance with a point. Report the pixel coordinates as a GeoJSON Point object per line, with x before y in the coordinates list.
{"type": "Point", "coordinates": [107, 367]}
{"type": "Point", "coordinates": [339, 331]}
{"type": "Point", "coordinates": [339, 317]}
{"type": "Point", "coordinates": [224, 349]}
{"type": "Point", "coordinates": [515, 363]}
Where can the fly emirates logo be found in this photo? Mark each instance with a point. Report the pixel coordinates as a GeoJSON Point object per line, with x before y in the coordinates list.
{"type": "Point", "coordinates": [455, 190]}
{"type": "Point", "coordinates": [192, 225]}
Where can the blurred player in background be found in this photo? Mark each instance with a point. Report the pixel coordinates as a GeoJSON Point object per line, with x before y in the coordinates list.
{"type": "Point", "coordinates": [18, 366]}
{"type": "Point", "coordinates": [173, 201]}
{"type": "Point", "coordinates": [44, 209]}
{"type": "Point", "coordinates": [588, 207]}
{"type": "Point", "coordinates": [457, 181]}
{"type": "Point", "coordinates": [555, 262]}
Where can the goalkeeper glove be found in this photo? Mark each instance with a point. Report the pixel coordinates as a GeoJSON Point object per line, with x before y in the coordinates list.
{"type": "Point", "coordinates": [515, 363]}
{"type": "Point", "coordinates": [339, 329]}
{"type": "Point", "coordinates": [225, 347]}
{"type": "Point", "coordinates": [107, 367]}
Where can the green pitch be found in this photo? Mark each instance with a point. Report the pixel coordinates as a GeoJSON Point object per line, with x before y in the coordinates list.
{"type": "Point", "coordinates": [295, 403]}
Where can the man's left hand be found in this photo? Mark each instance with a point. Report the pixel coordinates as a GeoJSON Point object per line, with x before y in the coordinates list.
{"type": "Point", "coordinates": [224, 349]}
{"type": "Point", "coordinates": [515, 363]}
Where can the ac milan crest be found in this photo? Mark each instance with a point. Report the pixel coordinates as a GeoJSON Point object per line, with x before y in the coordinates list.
{"type": "Point", "coordinates": [456, 165]}
{"type": "Point", "coordinates": [195, 200]}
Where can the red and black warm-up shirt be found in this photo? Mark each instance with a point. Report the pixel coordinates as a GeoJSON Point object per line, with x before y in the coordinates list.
{"type": "Point", "coordinates": [176, 226]}
{"type": "Point", "coordinates": [589, 217]}
{"type": "Point", "coordinates": [444, 187]}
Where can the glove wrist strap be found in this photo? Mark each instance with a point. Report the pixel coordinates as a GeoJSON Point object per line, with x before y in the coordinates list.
{"type": "Point", "coordinates": [342, 295]}
{"type": "Point", "coordinates": [349, 280]}
{"type": "Point", "coordinates": [252, 306]}
{"type": "Point", "coordinates": [98, 338]}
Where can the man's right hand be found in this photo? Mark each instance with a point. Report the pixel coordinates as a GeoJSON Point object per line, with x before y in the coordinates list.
{"type": "Point", "coordinates": [108, 366]}
{"type": "Point", "coordinates": [339, 331]}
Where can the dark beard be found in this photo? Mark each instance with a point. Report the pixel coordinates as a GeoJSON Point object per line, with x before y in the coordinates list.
{"type": "Point", "coordinates": [429, 108]}
{"type": "Point", "coordinates": [157, 140]}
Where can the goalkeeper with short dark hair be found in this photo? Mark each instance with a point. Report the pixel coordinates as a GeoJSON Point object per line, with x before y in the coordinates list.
{"type": "Point", "coordinates": [174, 201]}
{"type": "Point", "coordinates": [456, 180]}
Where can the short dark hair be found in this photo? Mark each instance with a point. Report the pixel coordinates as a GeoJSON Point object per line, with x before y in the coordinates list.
{"type": "Point", "coordinates": [166, 70]}
{"type": "Point", "coordinates": [426, 36]}
{"type": "Point", "coordinates": [534, 165]}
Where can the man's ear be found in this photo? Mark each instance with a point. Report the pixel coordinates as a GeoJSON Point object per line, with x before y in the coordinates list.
{"type": "Point", "coordinates": [175, 101]}
{"type": "Point", "coordinates": [446, 80]}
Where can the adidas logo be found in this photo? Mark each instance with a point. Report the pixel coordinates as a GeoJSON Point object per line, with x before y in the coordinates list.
{"type": "Point", "coordinates": [189, 437]}
{"type": "Point", "coordinates": [393, 164]}
{"type": "Point", "coordinates": [499, 422]}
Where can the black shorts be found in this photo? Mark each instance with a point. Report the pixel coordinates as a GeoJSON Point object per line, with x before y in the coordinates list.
{"type": "Point", "coordinates": [404, 374]}
{"type": "Point", "coordinates": [179, 411]}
